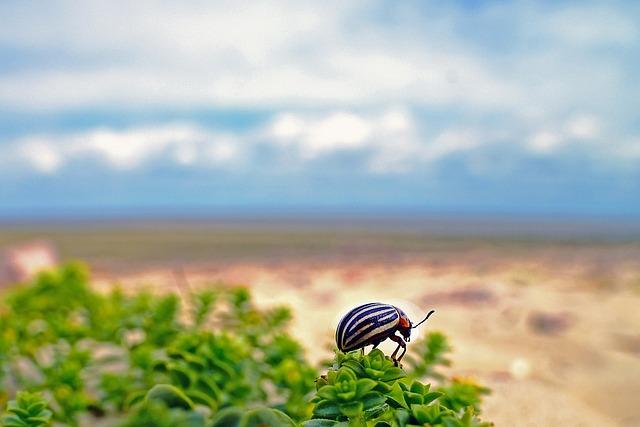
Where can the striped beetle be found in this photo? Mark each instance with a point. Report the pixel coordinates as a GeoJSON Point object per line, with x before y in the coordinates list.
{"type": "Point", "coordinates": [373, 323]}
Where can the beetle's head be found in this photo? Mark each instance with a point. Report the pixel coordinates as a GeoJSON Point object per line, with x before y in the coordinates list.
{"type": "Point", "coordinates": [404, 326]}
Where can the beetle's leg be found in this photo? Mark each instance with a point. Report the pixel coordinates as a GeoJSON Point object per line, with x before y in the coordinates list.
{"type": "Point", "coordinates": [393, 355]}
{"type": "Point", "coordinates": [362, 351]}
{"type": "Point", "coordinates": [404, 350]}
{"type": "Point", "coordinates": [401, 343]}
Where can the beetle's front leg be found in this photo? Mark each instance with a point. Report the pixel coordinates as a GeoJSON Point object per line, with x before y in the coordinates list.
{"type": "Point", "coordinates": [401, 343]}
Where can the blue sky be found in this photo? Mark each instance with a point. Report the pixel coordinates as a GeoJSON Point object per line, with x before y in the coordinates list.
{"type": "Point", "coordinates": [193, 106]}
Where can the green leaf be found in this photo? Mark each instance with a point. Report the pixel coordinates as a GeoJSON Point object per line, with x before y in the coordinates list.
{"type": "Point", "coordinates": [170, 395]}
{"type": "Point", "coordinates": [374, 373]}
{"type": "Point", "coordinates": [326, 409]}
{"type": "Point", "coordinates": [417, 387]}
{"type": "Point", "coordinates": [397, 395]}
{"type": "Point", "coordinates": [195, 362]}
{"type": "Point", "coordinates": [180, 376]}
{"type": "Point", "coordinates": [265, 417]}
{"type": "Point", "coordinates": [199, 397]}
{"type": "Point", "coordinates": [37, 406]}
{"type": "Point", "coordinates": [331, 376]}
{"type": "Point", "coordinates": [413, 398]}
{"type": "Point", "coordinates": [375, 411]}
{"type": "Point", "coordinates": [430, 397]}
{"type": "Point", "coordinates": [351, 409]}
{"type": "Point", "coordinates": [227, 417]}
{"type": "Point", "coordinates": [383, 387]}
{"type": "Point", "coordinates": [13, 421]}
{"type": "Point", "coordinates": [376, 358]}
{"type": "Point", "coordinates": [373, 399]}
{"type": "Point", "coordinates": [21, 412]}
{"type": "Point", "coordinates": [328, 392]}
{"type": "Point", "coordinates": [346, 396]}
{"type": "Point", "coordinates": [355, 366]}
{"type": "Point", "coordinates": [133, 398]}
{"type": "Point", "coordinates": [426, 413]}
{"type": "Point", "coordinates": [393, 373]}
{"type": "Point", "coordinates": [364, 385]}
{"type": "Point", "coordinates": [402, 417]}
{"type": "Point", "coordinates": [345, 375]}
{"type": "Point", "coordinates": [206, 385]}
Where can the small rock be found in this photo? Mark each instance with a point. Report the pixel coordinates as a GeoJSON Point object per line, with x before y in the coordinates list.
{"type": "Point", "coordinates": [549, 323]}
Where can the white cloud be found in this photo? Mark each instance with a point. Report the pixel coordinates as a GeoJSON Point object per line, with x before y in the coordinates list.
{"type": "Point", "coordinates": [579, 129]}
{"type": "Point", "coordinates": [183, 144]}
{"type": "Point", "coordinates": [396, 120]}
{"type": "Point", "coordinates": [224, 151]}
{"type": "Point", "coordinates": [339, 131]}
{"type": "Point", "coordinates": [286, 53]}
{"type": "Point", "coordinates": [330, 59]}
{"type": "Point", "coordinates": [286, 127]}
{"type": "Point", "coordinates": [313, 136]}
{"type": "Point", "coordinates": [185, 154]}
{"type": "Point", "coordinates": [545, 141]}
{"type": "Point", "coordinates": [386, 142]}
{"type": "Point", "coordinates": [40, 155]}
{"type": "Point", "coordinates": [583, 127]}
{"type": "Point", "coordinates": [390, 141]}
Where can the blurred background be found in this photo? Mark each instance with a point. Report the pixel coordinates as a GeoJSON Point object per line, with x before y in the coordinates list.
{"type": "Point", "coordinates": [477, 157]}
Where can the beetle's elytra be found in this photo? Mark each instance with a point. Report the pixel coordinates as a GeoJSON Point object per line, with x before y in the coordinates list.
{"type": "Point", "coordinates": [372, 323]}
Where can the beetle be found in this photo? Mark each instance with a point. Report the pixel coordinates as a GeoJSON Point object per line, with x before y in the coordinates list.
{"type": "Point", "coordinates": [372, 323]}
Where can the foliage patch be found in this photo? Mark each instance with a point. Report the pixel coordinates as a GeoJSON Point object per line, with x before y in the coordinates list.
{"type": "Point", "coordinates": [78, 357]}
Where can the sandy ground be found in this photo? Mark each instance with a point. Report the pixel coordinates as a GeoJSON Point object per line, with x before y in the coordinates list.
{"type": "Point", "coordinates": [554, 333]}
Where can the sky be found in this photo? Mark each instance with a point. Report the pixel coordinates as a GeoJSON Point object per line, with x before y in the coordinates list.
{"type": "Point", "coordinates": [158, 107]}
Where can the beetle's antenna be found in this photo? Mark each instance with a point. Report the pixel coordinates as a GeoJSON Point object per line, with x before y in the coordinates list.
{"type": "Point", "coordinates": [423, 320]}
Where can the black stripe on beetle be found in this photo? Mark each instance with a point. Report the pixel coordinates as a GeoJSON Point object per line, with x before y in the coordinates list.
{"type": "Point", "coordinates": [372, 323]}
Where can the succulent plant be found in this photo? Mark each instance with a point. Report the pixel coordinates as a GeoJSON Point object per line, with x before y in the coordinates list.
{"type": "Point", "coordinates": [347, 396]}
{"type": "Point", "coordinates": [368, 390]}
{"type": "Point", "coordinates": [28, 410]}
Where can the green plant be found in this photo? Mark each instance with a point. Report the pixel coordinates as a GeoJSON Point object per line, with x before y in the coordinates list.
{"type": "Point", "coordinates": [368, 390]}
{"type": "Point", "coordinates": [462, 393]}
{"type": "Point", "coordinates": [28, 410]}
{"type": "Point", "coordinates": [138, 359]}
{"type": "Point", "coordinates": [345, 396]}
{"type": "Point", "coordinates": [429, 354]}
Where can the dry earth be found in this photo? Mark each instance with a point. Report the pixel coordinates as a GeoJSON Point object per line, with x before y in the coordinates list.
{"type": "Point", "coordinates": [554, 331]}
